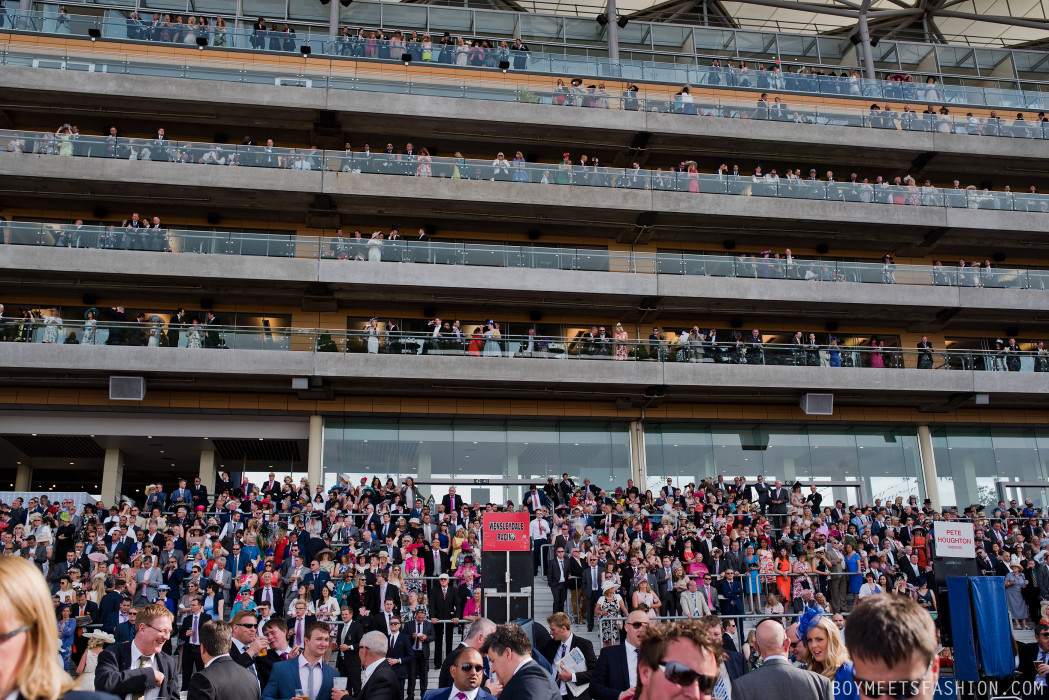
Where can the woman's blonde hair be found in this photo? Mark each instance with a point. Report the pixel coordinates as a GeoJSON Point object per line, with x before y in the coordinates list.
{"type": "Point", "coordinates": [836, 654]}
{"type": "Point", "coordinates": [95, 643]}
{"type": "Point", "coordinates": [26, 600]}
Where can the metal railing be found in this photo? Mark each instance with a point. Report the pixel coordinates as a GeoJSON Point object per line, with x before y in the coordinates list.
{"type": "Point", "coordinates": [352, 76]}
{"type": "Point", "coordinates": [155, 332]}
{"type": "Point", "coordinates": [562, 58]}
{"type": "Point", "coordinates": [290, 245]}
{"type": "Point", "coordinates": [20, 142]}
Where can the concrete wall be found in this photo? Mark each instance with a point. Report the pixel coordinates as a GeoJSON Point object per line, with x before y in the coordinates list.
{"type": "Point", "coordinates": [235, 96]}
{"type": "Point", "coordinates": [189, 268]}
{"type": "Point", "coordinates": [275, 368]}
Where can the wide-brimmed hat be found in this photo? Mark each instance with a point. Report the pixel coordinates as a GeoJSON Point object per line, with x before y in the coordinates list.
{"type": "Point", "coordinates": [608, 585]}
{"type": "Point", "coordinates": [99, 634]}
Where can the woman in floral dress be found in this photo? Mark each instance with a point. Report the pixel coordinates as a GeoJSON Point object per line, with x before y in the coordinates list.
{"type": "Point", "coordinates": [622, 350]}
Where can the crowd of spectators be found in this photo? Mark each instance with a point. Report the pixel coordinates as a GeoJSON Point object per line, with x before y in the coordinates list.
{"type": "Point", "coordinates": [279, 555]}
{"type": "Point", "coordinates": [584, 170]}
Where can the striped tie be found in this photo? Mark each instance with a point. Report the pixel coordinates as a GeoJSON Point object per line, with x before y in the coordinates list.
{"type": "Point", "coordinates": [723, 688]}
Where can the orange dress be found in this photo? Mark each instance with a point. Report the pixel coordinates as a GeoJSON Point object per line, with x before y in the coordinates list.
{"type": "Point", "coordinates": [783, 581]}
{"type": "Point", "coordinates": [918, 547]}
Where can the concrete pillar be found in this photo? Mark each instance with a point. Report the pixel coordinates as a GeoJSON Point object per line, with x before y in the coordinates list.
{"type": "Point", "coordinates": [207, 471]}
{"type": "Point", "coordinates": [928, 457]}
{"type": "Point", "coordinates": [23, 477]}
{"type": "Point", "coordinates": [638, 467]}
{"type": "Point", "coordinates": [514, 493]}
{"type": "Point", "coordinates": [112, 476]}
{"type": "Point", "coordinates": [314, 464]}
{"type": "Point", "coordinates": [425, 469]}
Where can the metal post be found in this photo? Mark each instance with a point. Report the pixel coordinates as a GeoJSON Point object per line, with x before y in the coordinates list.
{"type": "Point", "coordinates": [865, 41]}
{"type": "Point", "coordinates": [613, 31]}
{"type": "Point", "coordinates": [333, 24]}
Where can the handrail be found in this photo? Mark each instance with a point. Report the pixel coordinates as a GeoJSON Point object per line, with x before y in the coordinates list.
{"type": "Point", "coordinates": [328, 247]}
{"type": "Point", "coordinates": [359, 77]}
{"type": "Point", "coordinates": [361, 49]}
{"type": "Point", "coordinates": [24, 142]}
{"type": "Point", "coordinates": [52, 330]}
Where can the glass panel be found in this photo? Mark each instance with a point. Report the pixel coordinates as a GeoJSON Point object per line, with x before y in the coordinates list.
{"type": "Point", "coordinates": [888, 462]}
{"type": "Point", "coordinates": [270, 9]}
{"type": "Point", "coordinates": [678, 452]}
{"type": "Point", "coordinates": [446, 19]}
{"type": "Point", "coordinates": [363, 14]}
{"type": "Point", "coordinates": [495, 23]}
{"type": "Point", "coordinates": [989, 59]}
{"type": "Point", "coordinates": [955, 57]}
{"type": "Point", "coordinates": [1016, 455]}
{"type": "Point", "coordinates": [755, 44]}
{"type": "Point", "coordinates": [796, 46]}
{"type": "Point", "coordinates": [910, 55]}
{"type": "Point", "coordinates": [669, 37]}
{"type": "Point", "coordinates": [583, 30]}
{"type": "Point", "coordinates": [967, 458]}
{"type": "Point", "coordinates": [309, 11]}
{"type": "Point", "coordinates": [399, 16]}
{"type": "Point", "coordinates": [720, 42]}
{"type": "Point", "coordinates": [540, 27]}
{"type": "Point", "coordinates": [785, 454]}
{"type": "Point", "coordinates": [829, 49]}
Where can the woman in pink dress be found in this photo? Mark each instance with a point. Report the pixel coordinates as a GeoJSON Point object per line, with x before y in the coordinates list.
{"type": "Point", "coordinates": [622, 350]}
{"type": "Point", "coordinates": [876, 358]}
{"type": "Point", "coordinates": [424, 164]}
{"type": "Point", "coordinates": [693, 177]}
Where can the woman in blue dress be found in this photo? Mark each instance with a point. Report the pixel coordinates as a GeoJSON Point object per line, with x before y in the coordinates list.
{"type": "Point", "coordinates": [753, 568]}
{"type": "Point", "coordinates": [825, 653]}
{"type": "Point", "coordinates": [852, 565]}
{"type": "Point", "coordinates": [66, 630]}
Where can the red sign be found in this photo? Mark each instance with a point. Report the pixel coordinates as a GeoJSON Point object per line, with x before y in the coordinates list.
{"type": "Point", "coordinates": [505, 532]}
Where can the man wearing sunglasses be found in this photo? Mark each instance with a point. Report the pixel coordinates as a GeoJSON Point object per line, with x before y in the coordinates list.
{"type": "Point", "coordinates": [616, 669]}
{"type": "Point", "coordinates": [776, 677]}
{"type": "Point", "coordinates": [892, 642]}
{"type": "Point", "coordinates": [677, 660]}
{"type": "Point", "coordinates": [467, 669]}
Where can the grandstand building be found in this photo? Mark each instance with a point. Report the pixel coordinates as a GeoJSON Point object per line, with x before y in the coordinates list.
{"type": "Point", "coordinates": [872, 177]}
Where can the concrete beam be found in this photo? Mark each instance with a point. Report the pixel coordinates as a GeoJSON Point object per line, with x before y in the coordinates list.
{"type": "Point", "coordinates": [112, 476]}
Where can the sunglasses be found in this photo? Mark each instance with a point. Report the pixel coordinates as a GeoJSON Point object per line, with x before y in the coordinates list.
{"type": "Point", "coordinates": [897, 690]}
{"type": "Point", "coordinates": [468, 667]}
{"type": "Point", "coordinates": [638, 625]}
{"type": "Point", "coordinates": [680, 674]}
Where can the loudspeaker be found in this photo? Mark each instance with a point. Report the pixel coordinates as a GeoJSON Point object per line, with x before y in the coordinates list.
{"type": "Point", "coordinates": [94, 33]}
{"type": "Point", "coordinates": [729, 244]}
{"type": "Point", "coordinates": [100, 213]}
{"type": "Point", "coordinates": [345, 3]}
{"type": "Point", "coordinates": [202, 41]}
{"type": "Point", "coordinates": [504, 66]}
{"type": "Point", "coordinates": [406, 58]}
{"type": "Point", "coordinates": [429, 312]}
{"type": "Point", "coordinates": [655, 392]}
{"type": "Point", "coordinates": [1012, 330]}
{"type": "Point", "coordinates": [305, 50]}
{"type": "Point", "coordinates": [127, 388]}
{"type": "Point", "coordinates": [822, 248]}
{"type": "Point", "coordinates": [90, 299]}
{"type": "Point", "coordinates": [533, 235]}
{"type": "Point", "coordinates": [431, 230]}
{"type": "Point", "coordinates": [855, 39]}
{"type": "Point", "coordinates": [998, 257]}
{"type": "Point", "coordinates": [535, 315]}
{"type": "Point", "coordinates": [817, 404]}
{"type": "Point", "coordinates": [602, 19]}
{"type": "Point", "coordinates": [206, 303]}
{"type": "Point", "coordinates": [832, 326]}
{"type": "Point", "coordinates": [213, 219]}
{"type": "Point", "coordinates": [622, 22]}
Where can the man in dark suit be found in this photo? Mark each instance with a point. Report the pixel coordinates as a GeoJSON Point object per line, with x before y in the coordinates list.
{"type": "Point", "coordinates": [297, 625]}
{"type": "Point", "coordinates": [125, 630]}
{"type": "Point", "coordinates": [348, 644]}
{"type": "Point", "coordinates": [467, 672]}
{"type": "Point", "coordinates": [591, 591]}
{"type": "Point", "coordinates": [616, 668]}
{"type": "Point", "coordinates": [275, 630]}
{"type": "Point", "coordinates": [222, 678]}
{"type": "Point", "coordinates": [510, 653]}
{"type": "Point", "coordinates": [1034, 663]}
{"type": "Point", "coordinates": [285, 676]}
{"type": "Point", "coordinates": [557, 577]}
{"type": "Point", "coordinates": [399, 652]}
{"type": "Point", "coordinates": [452, 501]}
{"type": "Point", "coordinates": [199, 493]}
{"type": "Point", "coordinates": [380, 680]}
{"type": "Point", "coordinates": [443, 606]}
{"type": "Point", "coordinates": [535, 500]}
{"type": "Point", "coordinates": [435, 561]}
{"type": "Point", "coordinates": [271, 488]}
{"type": "Point", "coordinates": [315, 580]}
{"type": "Point", "coordinates": [270, 592]}
{"type": "Point", "coordinates": [132, 668]}
{"type": "Point", "coordinates": [420, 633]}
{"type": "Point", "coordinates": [777, 506]}
{"type": "Point", "coordinates": [474, 636]}
{"type": "Point", "coordinates": [383, 591]}
{"type": "Point", "coordinates": [561, 644]}
{"type": "Point", "coordinates": [189, 634]}
{"type": "Point", "coordinates": [776, 676]}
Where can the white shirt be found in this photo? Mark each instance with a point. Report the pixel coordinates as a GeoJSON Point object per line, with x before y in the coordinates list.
{"type": "Point", "coordinates": [371, 668]}
{"type": "Point", "coordinates": [566, 646]}
{"type": "Point", "coordinates": [470, 694]}
{"type": "Point", "coordinates": [305, 669]}
{"type": "Point", "coordinates": [1043, 657]}
{"type": "Point", "coordinates": [214, 658]}
{"type": "Point", "coordinates": [152, 693]}
{"type": "Point", "coordinates": [631, 663]}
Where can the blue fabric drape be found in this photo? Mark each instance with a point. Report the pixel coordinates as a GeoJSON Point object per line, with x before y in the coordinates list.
{"type": "Point", "coordinates": [992, 625]}
{"type": "Point", "coordinates": [962, 628]}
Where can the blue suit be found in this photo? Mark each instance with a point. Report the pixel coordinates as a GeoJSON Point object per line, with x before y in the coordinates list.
{"type": "Point", "coordinates": [445, 694]}
{"type": "Point", "coordinates": [284, 681]}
